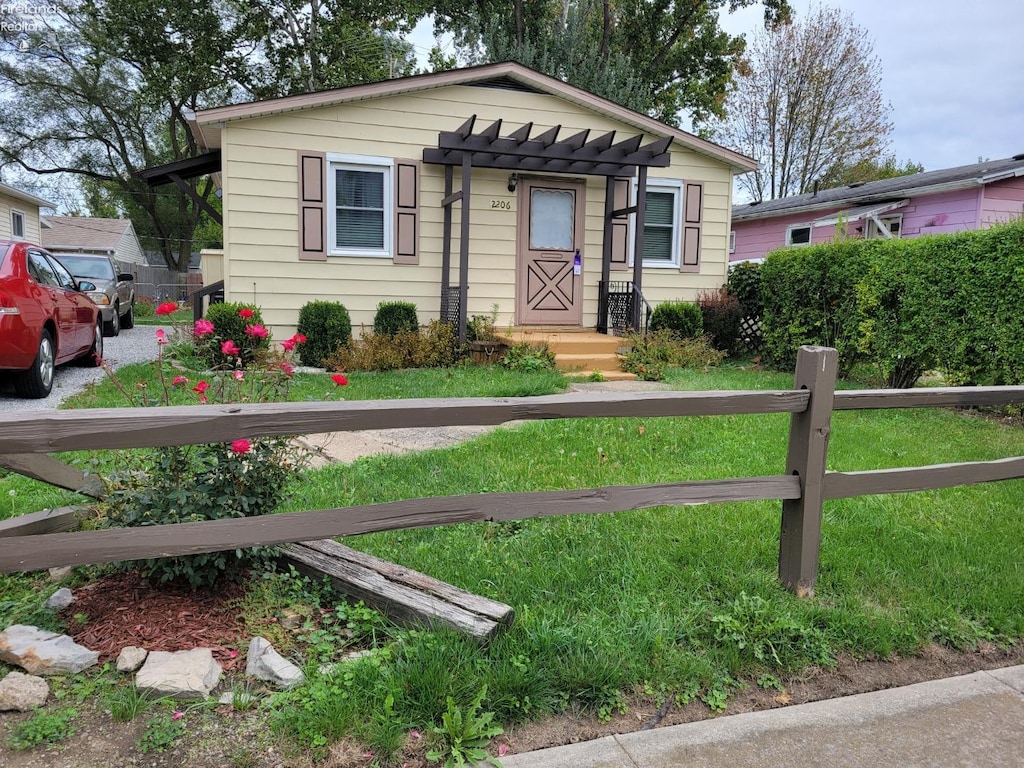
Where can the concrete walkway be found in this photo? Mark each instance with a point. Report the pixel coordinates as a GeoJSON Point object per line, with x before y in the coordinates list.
{"type": "Point", "coordinates": [976, 720]}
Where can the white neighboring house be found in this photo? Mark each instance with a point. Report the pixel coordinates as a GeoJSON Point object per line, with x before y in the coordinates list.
{"type": "Point", "coordinates": [19, 214]}
{"type": "Point", "coordinates": [83, 234]}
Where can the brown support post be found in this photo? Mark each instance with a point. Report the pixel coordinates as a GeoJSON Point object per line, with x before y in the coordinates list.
{"type": "Point", "coordinates": [800, 539]}
{"type": "Point", "coordinates": [606, 246]}
{"type": "Point", "coordinates": [446, 241]}
{"type": "Point", "coordinates": [638, 243]}
{"type": "Point", "coordinates": [464, 249]}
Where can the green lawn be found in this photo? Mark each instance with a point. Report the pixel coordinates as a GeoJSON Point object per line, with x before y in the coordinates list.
{"type": "Point", "coordinates": [681, 602]}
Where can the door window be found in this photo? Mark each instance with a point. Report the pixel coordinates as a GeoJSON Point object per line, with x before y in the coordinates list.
{"type": "Point", "coordinates": [63, 276]}
{"type": "Point", "coordinates": [41, 271]}
{"type": "Point", "coordinates": [552, 222]}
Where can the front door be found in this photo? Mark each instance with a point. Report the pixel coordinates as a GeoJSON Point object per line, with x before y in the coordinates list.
{"type": "Point", "coordinates": [549, 269]}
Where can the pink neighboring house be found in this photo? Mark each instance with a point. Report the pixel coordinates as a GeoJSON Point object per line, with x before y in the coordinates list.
{"type": "Point", "coordinates": [929, 203]}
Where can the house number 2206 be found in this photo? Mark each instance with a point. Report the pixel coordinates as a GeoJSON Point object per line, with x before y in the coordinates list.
{"type": "Point", "coordinates": [505, 205]}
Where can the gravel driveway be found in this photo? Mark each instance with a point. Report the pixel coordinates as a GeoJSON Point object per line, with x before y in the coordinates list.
{"type": "Point", "coordinates": [136, 345]}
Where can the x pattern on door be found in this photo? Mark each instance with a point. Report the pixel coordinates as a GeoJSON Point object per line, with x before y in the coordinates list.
{"type": "Point", "coordinates": [550, 284]}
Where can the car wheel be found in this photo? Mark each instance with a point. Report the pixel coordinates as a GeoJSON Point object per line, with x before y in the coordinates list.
{"type": "Point", "coordinates": [113, 326]}
{"type": "Point", "coordinates": [37, 381]}
{"type": "Point", "coordinates": [94, 357]}
{"type": "Point", "coordinates": [128, 319]}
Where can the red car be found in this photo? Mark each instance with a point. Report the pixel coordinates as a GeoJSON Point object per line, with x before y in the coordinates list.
{"type": "Point", "coordinates": [45, 319]}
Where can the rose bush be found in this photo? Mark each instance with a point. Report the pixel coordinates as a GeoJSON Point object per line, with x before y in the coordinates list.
{"type": "Point", "coordinates": [182, 484]}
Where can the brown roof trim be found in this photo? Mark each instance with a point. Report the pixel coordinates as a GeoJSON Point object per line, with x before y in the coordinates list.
{"type": "Point", "coordinates": [467, 76]}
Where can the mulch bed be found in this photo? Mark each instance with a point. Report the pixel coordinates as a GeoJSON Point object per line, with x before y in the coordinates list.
{"type": "Point", "coordinates": [123, 609]}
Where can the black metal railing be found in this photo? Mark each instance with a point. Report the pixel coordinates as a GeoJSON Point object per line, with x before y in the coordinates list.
{"type": "Point", "coordinates": [621, 307]}
{"type": "Point", "coordinates": [216, 293]}
{"type": "Point", "coordinates": [450, 306]}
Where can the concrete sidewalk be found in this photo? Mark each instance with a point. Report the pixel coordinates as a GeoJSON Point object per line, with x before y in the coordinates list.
{"type": "Point", "coordinates": [976, 720]}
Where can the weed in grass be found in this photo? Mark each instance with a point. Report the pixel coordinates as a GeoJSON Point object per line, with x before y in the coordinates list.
{"type": "Point", "coordinates": [85, 685]}
{"type": "Point", "coordinates": [22, 603]}
{"type": "Point", "coordinates": [463, 736]}
{"type": "Point", "coordinates": [43, 728]}
{"type": "Point", "coordinates": [769, 681]}
{"type": "Point", "coordinates": [763, 633]}
{"type": "Point", "coordinates": [717, 694]}
{"type": "Point", "coordinates": [385, 734]}
{"type": "Point", "coordinates": [321, 711]}
{"type": "Point", "coordinates": [161, 732]}
{"type": "Point", "coordinates": [244, 697]}
{"type": "Point", "coordinates": [429, 668]}
{"type": "Point", "coordinates": [126, 702]}
{"type": "Point", "coordinates": [596, 376]}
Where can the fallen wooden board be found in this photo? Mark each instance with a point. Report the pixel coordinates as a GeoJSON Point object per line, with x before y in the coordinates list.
{"type": "Point", "coordinates": [404, 595]}
{"type": "Point", "coordinates": [46, 521]}
{"type": "Point", "coordinates": [54, 472]}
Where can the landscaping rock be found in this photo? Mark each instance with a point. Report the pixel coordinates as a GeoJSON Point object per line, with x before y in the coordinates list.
{"type": "Point", "coordinates": [131, 658]}
{"type": "Point", "coordinates": [228, 697]}
{"type": "Point", "coordinates": [180, 675]}
{"type": "Point", "coordinates": [43, 653]}
{"type": "Point", "coordinates": [60, 599]}
{"type": "Point", "coordinates": [59, 574]}
{"type": "Point", "coordinates": [265, 663]}
{"type": "Point", "coordinates": [21, 693]}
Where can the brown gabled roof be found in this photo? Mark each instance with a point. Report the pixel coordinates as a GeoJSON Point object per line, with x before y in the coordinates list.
{"type": "Point", "coordinates": [208, 122]}
{"type": "Point", "coordinates": [75, 232]}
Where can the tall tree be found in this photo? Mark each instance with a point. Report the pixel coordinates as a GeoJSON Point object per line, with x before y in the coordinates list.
{"type": "Point", "coordinates": [104, 88]}
{"type": "Point", "coordinates": [870, 170]}
{"type": "Point", "coordinates": [312, 45]}
{"type": "Point", "coordinates": [806, 103]}
{"type": "Point", "coordinates": [662, 57]}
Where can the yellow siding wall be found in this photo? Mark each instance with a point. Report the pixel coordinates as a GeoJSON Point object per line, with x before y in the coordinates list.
{"type": "Point", "coordinates": [31, 218]}
{"type": "Point", "coordinates": [261, 210]}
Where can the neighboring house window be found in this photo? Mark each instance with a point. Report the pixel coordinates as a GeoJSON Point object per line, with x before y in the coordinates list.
{"type": "Point", "coordinates": [17, 224]}
{"type": "Point", "coordinates": [732, 241]}
{"type": "Point", "coordinates": [662, 223]}
{"type": "Point", "coordinates": [798, 234]}
{"type": "Point", "coordinates": [361, 212]}
{"type": "Point", "coordinates": [892, 223]}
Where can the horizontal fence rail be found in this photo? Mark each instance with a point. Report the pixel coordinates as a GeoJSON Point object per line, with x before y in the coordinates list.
{"type": "Point", "coordinates": [107, 428]}
{"type": "Point", "coordinates": [45, 551]}
{"type": "Point", "coordinates": [41, 540]}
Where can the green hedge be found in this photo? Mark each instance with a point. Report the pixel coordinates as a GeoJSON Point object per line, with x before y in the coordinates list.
{"type": "Point", "coordinates": [326, 326]}
{"type": "Point", "coordinates": [682, 318]}
{"type": "Point", "coordinates": [949, 302]}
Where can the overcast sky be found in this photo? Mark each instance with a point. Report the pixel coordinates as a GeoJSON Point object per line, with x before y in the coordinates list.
{"type": "Point", "coordinates": [953, 71]}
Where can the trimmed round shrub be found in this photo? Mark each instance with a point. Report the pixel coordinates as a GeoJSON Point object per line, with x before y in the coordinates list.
{"type": "Point", "coordinates": [745, 284]}
{"type": "Point", "coordinates": [682, 318]}
{"type": "Point", "coordinates": [228, 324]}
{"type": "Point", "coordinates": [395, 316]}
{"type": "Point", "coordinates": [326, 326]}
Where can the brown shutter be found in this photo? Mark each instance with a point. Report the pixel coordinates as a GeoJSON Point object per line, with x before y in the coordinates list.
{"type": "Point", "coordinates": [693, 217]}
{"type": "Point", "coordinates": [312, 206]}
{"type": "Point", "coordinates": [407, 212]}
{"type": "Point", "coordinates": [621, 227]}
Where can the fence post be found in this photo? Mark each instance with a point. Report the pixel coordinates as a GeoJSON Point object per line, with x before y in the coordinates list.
{"type": "Point", "coordinates": [800, 539]}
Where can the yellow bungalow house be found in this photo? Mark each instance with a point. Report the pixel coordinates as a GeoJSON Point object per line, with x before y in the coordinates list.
{"type": "Point", "coordinates": [459, 191]}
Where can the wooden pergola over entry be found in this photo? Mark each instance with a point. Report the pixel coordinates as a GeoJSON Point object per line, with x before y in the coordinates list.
{"type": "Point", "coordinates": [545, 153]}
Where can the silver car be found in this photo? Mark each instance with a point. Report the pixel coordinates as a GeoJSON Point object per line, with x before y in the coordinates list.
{"type": "Point", "coordinates": [114, 293]}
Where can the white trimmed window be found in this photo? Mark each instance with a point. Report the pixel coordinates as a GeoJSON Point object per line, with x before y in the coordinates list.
{"type": "Point", "coordinates": [360, 209]}
{"type": "Point", "coordinates": [17, 225]}
{"type": "Point", "coordinates": [662, 237]}
{"type": "Point", "coordinates": [732, 241]}
{"type": "Point", "coordinates": [798, 234]}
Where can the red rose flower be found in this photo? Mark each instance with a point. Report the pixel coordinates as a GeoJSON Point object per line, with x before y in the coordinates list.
{"type": "Point", "coordinates": [241, 446]}
{"type": "Point", "coordinates": [167, 308]}
{"type": "Point", "coordinates": [245, 313]}
{"type": "Point", "coordinates": [340, 379]}
{"type": "Point", "coordinates": [228, 348]}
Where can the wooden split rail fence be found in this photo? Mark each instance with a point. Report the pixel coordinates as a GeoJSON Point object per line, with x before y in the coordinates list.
{"type": "Point", "coordinates": [34, 541]}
